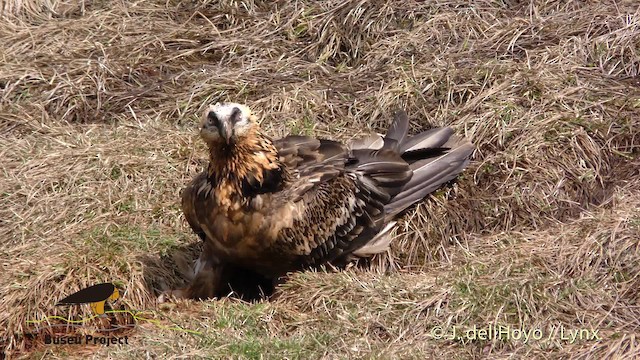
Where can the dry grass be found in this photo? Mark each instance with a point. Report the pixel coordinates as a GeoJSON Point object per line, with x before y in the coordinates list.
{"type": "Point", "coordinates": [98, 108]}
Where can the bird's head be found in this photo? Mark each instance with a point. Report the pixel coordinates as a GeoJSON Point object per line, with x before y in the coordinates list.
{"type": "Point", "coordinates": [226, 124]}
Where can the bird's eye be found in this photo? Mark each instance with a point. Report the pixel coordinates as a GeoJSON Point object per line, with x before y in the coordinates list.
{"type": "Point", "coordinates": [236, 115]}
{"type": "Point", "coordinates": [212, 119]}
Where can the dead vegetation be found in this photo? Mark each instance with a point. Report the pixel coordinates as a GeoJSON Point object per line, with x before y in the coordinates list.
{"type": "Point", "coordinates": [99, 102]}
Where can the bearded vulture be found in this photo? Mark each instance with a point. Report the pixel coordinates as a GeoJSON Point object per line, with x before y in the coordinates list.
{"type": "Point", "coordinates": [267, 207]}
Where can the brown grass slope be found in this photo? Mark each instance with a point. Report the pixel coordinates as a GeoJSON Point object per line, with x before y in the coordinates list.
{"type": "Point", "coordinates": [99, 102]}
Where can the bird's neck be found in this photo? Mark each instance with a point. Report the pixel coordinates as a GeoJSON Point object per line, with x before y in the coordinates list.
{"type": "Point", "coordinates": [248, 167]}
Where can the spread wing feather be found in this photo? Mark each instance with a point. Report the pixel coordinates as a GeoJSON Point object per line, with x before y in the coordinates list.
{"type": "Point", "coordinates": [359, 189]}
{"type": "Point", "coordinates": [342, 197]}
{"type": "Point", "coordinates": [338, 198]}
{"type": "Point", "coordinates": [399, 127]}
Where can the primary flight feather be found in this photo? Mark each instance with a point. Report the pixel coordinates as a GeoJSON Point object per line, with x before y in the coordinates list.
{"type": "Point", "coordinates": [268, 207]}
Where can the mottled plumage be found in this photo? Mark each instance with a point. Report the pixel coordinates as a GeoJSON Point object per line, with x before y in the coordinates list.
{"type": "Point", "coordinates": [268, 207]}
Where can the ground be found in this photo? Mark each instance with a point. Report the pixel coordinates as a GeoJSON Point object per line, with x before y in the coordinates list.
{"type": "Point", "coordinates": [99, 105]}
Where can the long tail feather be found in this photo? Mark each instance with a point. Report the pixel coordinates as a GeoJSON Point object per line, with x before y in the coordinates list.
{"type": "Point", "coordinates": [399, 127]}
{"type": "Point", "coordinates": [428, 176]}
{"type": "Point", "coordinates": [372, 142]}
{"type": "Point", "coordinates": [406, 169]}
{"type": "Point", "coordinates": [380, 243]}
{"type": "Point", "coordinates": [433, 138]}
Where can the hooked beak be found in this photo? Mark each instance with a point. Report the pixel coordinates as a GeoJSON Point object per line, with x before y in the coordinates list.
{"type": "Point", "coordinates": [223, 127]}
{"type": "Point", "coordinates": [226, 131]}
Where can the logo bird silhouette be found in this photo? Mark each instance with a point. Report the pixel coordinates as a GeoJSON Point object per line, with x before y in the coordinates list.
{"type": "Point", "coordinates": [95, 296]}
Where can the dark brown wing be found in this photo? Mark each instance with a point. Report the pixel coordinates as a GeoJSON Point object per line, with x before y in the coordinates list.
{"type": "Point", "coordinates": [199, 183]}
{"type": "Point", "coordinates": [311, 161]}
{"type": "Point", "coordinates": [341, 198]}
{"type": "Point", "coordinates": [345, 199]}
{"type": "Point", "coordinates": [303, 153]}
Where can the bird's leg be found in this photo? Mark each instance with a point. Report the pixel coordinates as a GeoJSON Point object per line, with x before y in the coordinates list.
{"type": "Point", "coordinates": [206, 280]}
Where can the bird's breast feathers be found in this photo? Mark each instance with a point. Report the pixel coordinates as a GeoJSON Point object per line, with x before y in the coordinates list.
{"type": "Point", "coordinates": [236, 225]}
{"type": "Point", "coordinates": [271, 231]}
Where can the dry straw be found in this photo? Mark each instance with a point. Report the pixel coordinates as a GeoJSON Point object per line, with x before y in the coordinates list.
{"type": "Point", "coordinates": [98, 109]}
